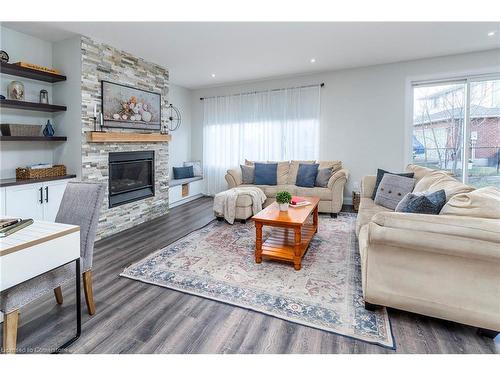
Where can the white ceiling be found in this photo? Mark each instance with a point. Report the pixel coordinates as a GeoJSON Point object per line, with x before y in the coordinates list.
{"type": "Point", "coordinates": [236, 52]}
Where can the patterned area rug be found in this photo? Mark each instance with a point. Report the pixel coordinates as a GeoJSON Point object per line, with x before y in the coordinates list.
{"type": "Point", "coordinates": [217, 262]}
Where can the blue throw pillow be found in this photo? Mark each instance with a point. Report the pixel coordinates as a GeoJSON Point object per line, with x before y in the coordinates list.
{"type": "Point", "coordinates": [266, 174]}
{"type": "Point", "coordinates": [306, 175]}
{"type": "Point", "coordinates": [422, 203]}
{"type": "Point", "coordinates": [183, 172]}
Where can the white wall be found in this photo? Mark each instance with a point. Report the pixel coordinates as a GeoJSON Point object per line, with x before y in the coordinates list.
{"type": "Point", "coordinates": [363, 110]}
{"type": "Point", "coordinates": [180, 147]}
{"type": "Point", "coordinates": [22, 47]}
{"type": "Point", "coordinates": [65, 56]}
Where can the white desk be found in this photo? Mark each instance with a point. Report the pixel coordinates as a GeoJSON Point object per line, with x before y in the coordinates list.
{"type": "Point", "coordinates": [37, 249]}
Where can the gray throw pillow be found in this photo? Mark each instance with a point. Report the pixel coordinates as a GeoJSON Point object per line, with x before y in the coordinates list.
{"type": "Point", "coordinates": [380, 175]}
{"type": "Point", "coordinates": [247, 174]}
{"type": "Point", "coordinates": [423, 203]}
{"type": "Point", "coordinates": [323, 176]}
{"type": "Point", "coordinates": [197, 170]}
{"type": "Point", "coordinates": [392, 190]}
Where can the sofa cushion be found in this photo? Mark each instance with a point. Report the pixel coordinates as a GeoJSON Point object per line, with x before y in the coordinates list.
{"type": "Point", "coordinates": [197, 169]}
{"type": "Point", "coordinates": [438, 180]}
{"type": "Point", "coordinates": [380, 175]}
{"type": "Point", "coordinates": [323, 176]}
{"type": "Point", "coordinates": [294, 168]}
{"type": "Point", "coordinates": [283, 170]}
{"type": "Point", "coordinates": [419, 171]}
{"type": "Point", "coordinates": [183, 172]}
{"type": "Point", "coordinates": [392, 190]}
{"type": "Point", "coordinates": [266, 174]}
{"type": "Point", "coordinates": [247, 174]}
{"type": "Point", "coordinates": [425, 182]}
{"type": "Point", "coordinates": [484, 202]}
{"type": "Point", "coordinates": [271, 190]}
{"type": "Point", "coordinates": [306, 175]}
{"type": "Point", "coordinates": [367, 209]}
{"type": "Point", "coordinates": [334, 164]}
{"type": "Point", "coordinates": [422, 203]}
{"type": "Point", "coordinates": [324, 194]}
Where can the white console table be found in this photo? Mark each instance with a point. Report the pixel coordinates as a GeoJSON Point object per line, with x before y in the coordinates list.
{"type": "Point", "coordinates": [37, 249]}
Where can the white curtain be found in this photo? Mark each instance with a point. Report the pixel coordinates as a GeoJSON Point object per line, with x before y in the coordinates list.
{"type": "Point", "coordinates": [272, 125]}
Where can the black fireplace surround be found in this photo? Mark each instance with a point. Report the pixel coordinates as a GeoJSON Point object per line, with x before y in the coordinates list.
{"type": "Point", "coordinates": [131, 176]}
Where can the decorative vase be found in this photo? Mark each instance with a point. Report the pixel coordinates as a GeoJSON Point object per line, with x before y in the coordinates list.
{"type": "Point", "coordinates": [283, 206]}
{"type": "Point", "coordinates": [44, 97]}
{"type": "Point", "coordinates": [16, 90]}
{"type": "Point", "coordinates": [48, 131]}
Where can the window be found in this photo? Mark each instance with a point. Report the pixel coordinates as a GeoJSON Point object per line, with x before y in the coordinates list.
{"type": "Point", "coordinates": [461, 133]}
{"type": "Point", "coordinates": [271, 125]}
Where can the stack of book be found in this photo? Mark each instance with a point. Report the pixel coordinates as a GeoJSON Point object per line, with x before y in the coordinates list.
{"type": "Point", "coordinates": [299, 202]}
{"type": "Point", "coordinates": [9, 226]}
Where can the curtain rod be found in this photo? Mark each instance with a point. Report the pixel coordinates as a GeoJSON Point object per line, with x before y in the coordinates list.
{"type": "Point", "coordinates": [256, 92]}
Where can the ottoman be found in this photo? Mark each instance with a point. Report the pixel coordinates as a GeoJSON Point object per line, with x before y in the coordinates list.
{"type": "Point", "coordinates": [243, 208]}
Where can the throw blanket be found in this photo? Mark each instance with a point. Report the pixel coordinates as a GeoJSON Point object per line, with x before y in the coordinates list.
{"type": "Point", "coordinates": [225, 202]}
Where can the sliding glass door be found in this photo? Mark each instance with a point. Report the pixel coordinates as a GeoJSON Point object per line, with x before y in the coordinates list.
{"type": "Point", "coordinates": [456, 127]}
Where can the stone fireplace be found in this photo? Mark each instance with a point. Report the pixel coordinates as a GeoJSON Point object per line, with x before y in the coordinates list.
{"type": "Point", "coordinates": [131, 176]}
{"type": "Point", "coordinates": [136, 174]}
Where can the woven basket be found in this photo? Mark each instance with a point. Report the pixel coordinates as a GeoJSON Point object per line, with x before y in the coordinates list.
{"type": "Point", "coordinates": [27, 173]}
{"type": "Point", "coordinates": [16, 130]}
{"type": "Point", "coordinates": [356, 198]}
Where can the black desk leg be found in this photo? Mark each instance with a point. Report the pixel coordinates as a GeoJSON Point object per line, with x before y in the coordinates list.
{"type": "Point", "coordinates": [78, 311]}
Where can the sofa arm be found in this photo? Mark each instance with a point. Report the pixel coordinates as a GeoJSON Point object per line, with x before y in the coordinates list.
{"type": "Point", "coordinates": [444, 234]}
{"type": "Point", "coordinates": [367, 186]}
{"type": "Point", "coordinates": [233, 178]}
{"type": "Point", "coordinates": [339, 177]}
{"type": "Point", "coordinates": [336, 184]}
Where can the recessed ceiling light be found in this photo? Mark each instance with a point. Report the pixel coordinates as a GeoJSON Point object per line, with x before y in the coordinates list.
{"type": "Point", "coordinates": [213, 75]}
{"type": "Point", "coordinates": [492, 33]}
{"type": "Point", "coordinates": [313, 60]}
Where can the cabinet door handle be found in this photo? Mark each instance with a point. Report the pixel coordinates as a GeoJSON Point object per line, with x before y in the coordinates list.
{"type": "Point", "coordinates": [46, 193]}
{"type": "Point", "coordinates": [41, 195]}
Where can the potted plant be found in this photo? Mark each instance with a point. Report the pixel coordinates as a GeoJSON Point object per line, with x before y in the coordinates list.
{"type": "Point", "coordinates": [283, 198]}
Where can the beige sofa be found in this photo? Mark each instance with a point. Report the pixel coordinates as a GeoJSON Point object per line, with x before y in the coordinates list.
{"type": "Point", "coordinates": [331, 197]}
{"type": "Point", "coordinates": [446, 266]}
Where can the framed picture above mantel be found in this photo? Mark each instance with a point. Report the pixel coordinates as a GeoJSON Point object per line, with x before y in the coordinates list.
{"type": "Point", "coordinates": [129, 107]}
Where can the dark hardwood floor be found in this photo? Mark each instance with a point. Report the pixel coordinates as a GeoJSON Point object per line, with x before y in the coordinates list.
{"type": "Point", "coordinates": [133, 317]}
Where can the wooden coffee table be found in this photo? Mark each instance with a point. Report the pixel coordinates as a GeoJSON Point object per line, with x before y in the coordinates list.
{"type": "Point", "coordinates": [291, 235]}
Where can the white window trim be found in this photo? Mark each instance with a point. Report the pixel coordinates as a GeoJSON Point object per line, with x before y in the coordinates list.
{"type": "Point", "coordinates": [465, 76]}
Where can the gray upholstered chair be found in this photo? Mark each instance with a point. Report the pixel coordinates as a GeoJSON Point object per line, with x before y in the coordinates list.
{"type": "Point", "coordinates": [80, 205]}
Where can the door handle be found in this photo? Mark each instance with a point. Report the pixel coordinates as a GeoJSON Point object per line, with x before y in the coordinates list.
{"type": "Point", "coordinates": [46, 193]}
{"type": "Point", "coordinates": [41, 195]}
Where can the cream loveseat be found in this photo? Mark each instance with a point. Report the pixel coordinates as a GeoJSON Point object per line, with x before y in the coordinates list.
{"type": "Point", "coordinates": [446, 266]}
{"type": "Point", "coordinates": [331, 197]}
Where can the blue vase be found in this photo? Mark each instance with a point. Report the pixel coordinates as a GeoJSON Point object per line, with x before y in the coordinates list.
{"type": "Point", "coordinates": [48, 131]}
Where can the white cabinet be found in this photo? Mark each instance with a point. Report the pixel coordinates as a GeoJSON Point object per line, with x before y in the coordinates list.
{"type": "Point", "coordinates": [52, 196]}
{"type": "Point", "coordinates": [24, 201]}
{"type": "Point", "coordinates": [36, 201]}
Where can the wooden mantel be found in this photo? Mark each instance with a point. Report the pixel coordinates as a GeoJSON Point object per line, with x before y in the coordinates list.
{"type": "Point", "coordinates": [103, 137]}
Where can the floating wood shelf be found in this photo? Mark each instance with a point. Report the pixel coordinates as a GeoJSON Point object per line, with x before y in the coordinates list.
{"type": "Point", "coordinates": [19, 71]}
{"type": "Point", "coordinates": [5, 138]}
{"type": "Point", "coordinates": [127, 137]}
{"type": "Point", "coordinates": [31, 106]}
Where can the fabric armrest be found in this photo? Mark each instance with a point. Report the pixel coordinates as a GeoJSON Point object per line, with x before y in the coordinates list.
{"type": "Point", "coordinates": [368, 185]}
{"type": "Point", "coordinates": [234, 178]}
{"type": "Point", "coordinates": [341, 176]}
{"type": "Point", "coordinates": [443, 234]}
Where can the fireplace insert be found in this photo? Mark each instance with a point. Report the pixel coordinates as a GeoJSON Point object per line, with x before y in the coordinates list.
{"type": "Point", "coordinates": [131, 176]}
